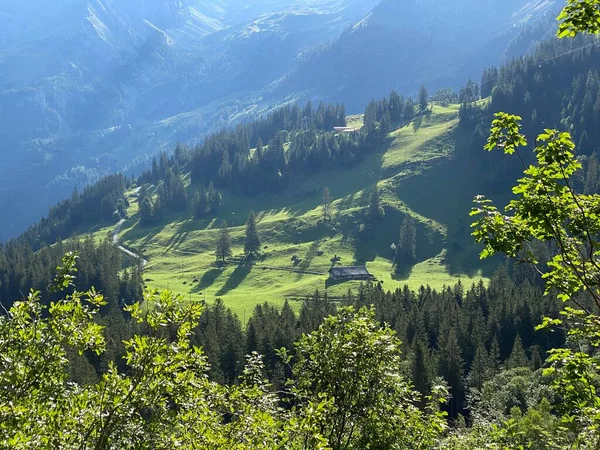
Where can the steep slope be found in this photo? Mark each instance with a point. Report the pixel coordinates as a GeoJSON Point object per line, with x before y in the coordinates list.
{"type": "Point", "coordinates": [180, 249]}
{"type": "Point", "coordinates": [87, 87]}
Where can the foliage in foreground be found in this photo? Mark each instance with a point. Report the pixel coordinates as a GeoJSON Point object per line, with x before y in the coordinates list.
{"type": "Point", "coordinates": [547, 208]}
{"type": "Point", "coordinates": [164, 398]}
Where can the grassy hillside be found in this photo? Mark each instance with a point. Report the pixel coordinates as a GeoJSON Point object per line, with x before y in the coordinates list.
{"type": "Point", "coordinates": [180, 250]}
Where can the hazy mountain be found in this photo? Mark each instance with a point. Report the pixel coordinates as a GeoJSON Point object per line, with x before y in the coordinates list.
{"type": "Point", "coordinates": [402, 44]}
{"type": "Point", "coordinates": [93, 86]}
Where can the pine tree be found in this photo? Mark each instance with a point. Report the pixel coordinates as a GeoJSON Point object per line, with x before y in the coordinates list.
{"type": "Point", "coordinates": [480, 368]}
{"type": "Point", "coordinates": [142, 194]}
{"type": "Point", "coordinates": [260, 148]}
{"type": "Point", "coordinates": [452, 369]}
{"type": "Point", "coordinates": [536, 358]}
{"type": "Point", "coordinates": [385, 127]}
{"type": "Point", "coordinates": [495, 357]}
{"type": "Point", "coordinates": [421, 366]}
{"type": "Point", "coordinates": [591, 175]}
{"type": "Point", "coordinates": [223, 250]}
{"type": "Point", "coordinates": [155, 172]}
{"type": "Point", "coordinates": [518, 357]}
{"type": "Point", "coordinates": [375, 209]}
{"type": "Point", "coordinates": [252, 244]}
{"type": "Point", "coordinates": [406, 251]}
{"type": "Point", "coordinates": [213, 199]}
{"type": "Point", "coordinates": [146, 211]}
{"type": "Point", "coordinates": [178, 196]}
{"type": "Point", "coordinates": [158, 209]}
{"type": "Point", "coordinates": [251, 337]}
{"type": "Point", "coordinates": [423, 98]}
{"type": "Point", "coordinates": [370, 116]}
{"type": "Point", "coordinates": [326, 204]}
{"type": "Point", "coordinates": [201, 206]}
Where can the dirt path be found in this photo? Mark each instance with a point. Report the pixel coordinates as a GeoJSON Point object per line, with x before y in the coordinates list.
{"type": "Point", "coordinates": [115, 239]}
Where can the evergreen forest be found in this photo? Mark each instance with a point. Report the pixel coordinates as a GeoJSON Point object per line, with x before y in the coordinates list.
{"type": "Point", "coordinates": [503, 353]}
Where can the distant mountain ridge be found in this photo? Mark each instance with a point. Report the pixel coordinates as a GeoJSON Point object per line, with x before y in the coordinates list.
{"type": "Point", "coordinates": [95, 86]}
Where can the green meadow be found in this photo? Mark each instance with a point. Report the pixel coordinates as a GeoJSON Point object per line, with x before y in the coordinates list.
{"type": "Point", "coordinates": [180, 250]}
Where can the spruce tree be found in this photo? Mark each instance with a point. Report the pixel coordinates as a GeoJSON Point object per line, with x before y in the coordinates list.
{"type": "Point", "coordinates": [406, 251]}
{"type": "Point", "coordinates": [326, 204]}
{"type": "Point", "coordinates": [223, 250]}
{"type": "Point", "coordinates": [423, 98]}
{"type": "Point", "coordinates": [495, 358]}
{"type": "Point", "coordinates": [201, 206]}
{"type": "Point", "coordinates": [385, 127]}
{"type": "Point", "coordinates": [142, 194]}
{"type": "Point", "coordinates": [375, 209]}
{"type": "Point", "coordinates": [178, 196]}
{"type": "Point", "coordinates": [452, 369]}
{"type": "Point", "coordinates": [158, 209]}
{"type": "Point", "coordinates": [146, 211]}
{"type": "Point", "coordinates": [252, 244]}
{"type": "Point", "coordinates": [260, 148]}
{"type": "Point", "coordinates": [421, 367]}
{"type": "Point", "coordinates": [518, 357]}
{"type": "Point", "coordinates": [480, 368]}
{"type": "Point", "coordinates": [155, 172]}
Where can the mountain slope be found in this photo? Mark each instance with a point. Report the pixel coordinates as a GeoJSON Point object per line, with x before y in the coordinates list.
{"type": "Point", "coordinates": [180, 249]}
{"type": "Point", "coordinates": [403, 44]}
{"type": "Point", "coordinates": [90, 87]}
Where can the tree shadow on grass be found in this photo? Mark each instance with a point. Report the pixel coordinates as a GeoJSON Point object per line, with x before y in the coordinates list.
{"type": "Point", "coordinates": [176, 240]}
{"type": "Point", "coordinates": [208, 279]}
{"type": "Point", "coordinates": [235, 279]}
{"type": "Point", "coordinates": [402, 272]}
{"type": "Point", "coordinates": [417, 123]}
{"type": "Point", "coordinates": [143, 234]}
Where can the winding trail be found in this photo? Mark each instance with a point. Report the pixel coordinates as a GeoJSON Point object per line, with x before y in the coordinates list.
{"type": "Point", "coordinates": [115, 239]}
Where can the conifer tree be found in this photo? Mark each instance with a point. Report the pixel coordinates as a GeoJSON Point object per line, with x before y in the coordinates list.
{"type": "Point", "coordinates": [223, 250]}
{"type": "Point", "coordinates": [406, 251]}
{"type": "Point", "coordinates": [495, 357]}
{"type": "Point", "coordinates": [251, 337]}
{"type": "Point", "coordinates": [146, 211]}
{"type": "Point", "coordinates": [591, 176]}
{"type": "Point", "coordinates": [158, 209]}
{"type": "Point", "coordinates": [423, 98]}
{"type": "Point", "coordinates": [421, 366]}
{"type": "Point", "coordinates": [233, 348]}
{"type": "Point", "coordinates": [155, 172]}
{"type": "Point", "coordinates": [480, 369]}
{"type": "Point", "coordinates": [201, 206]}
{"type": "Point", "coordinates": [518, 357]}
{"type": "Point", "coordinates": [213, 198]}
{"type": "Point", "coordinates": [370, 117]}
{"type": "Point", "coordinates": [252, 243]}
{"type": "Point", "coordinates": [178, 200]}
{"type": "Point", "coordinates": [536, 358]}
{"type": "Point", "coordinates": [385, 126]}
{"type": "Point", "coordinates": [260, 148]}
{"type": "Point", "coordinates": [326, 204]}
{"type": "Point", "coordinates": [452, 369]}
{"type": "Point", "coordinates": [375, 209]}
{"type": "Point", "coordinates": [142, 194]}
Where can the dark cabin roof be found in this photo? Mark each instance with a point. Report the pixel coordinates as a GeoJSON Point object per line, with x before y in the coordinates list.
{"type": "Point", "coordinates": [352, 271]}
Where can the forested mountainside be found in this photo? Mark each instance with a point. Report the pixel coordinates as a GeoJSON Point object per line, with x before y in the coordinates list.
{"type": "Point", "coordinates": [462, 333]}
{"type": "Point", "coordinates": [141, 76]}
{"type": "Point", "coordinates": [556, 86]}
